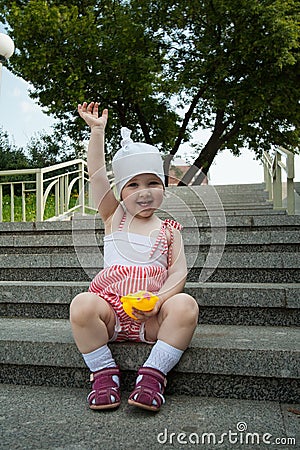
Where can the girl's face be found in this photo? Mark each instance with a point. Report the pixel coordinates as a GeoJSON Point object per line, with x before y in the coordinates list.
{"type": "Point", "coordinates": [143, 194]}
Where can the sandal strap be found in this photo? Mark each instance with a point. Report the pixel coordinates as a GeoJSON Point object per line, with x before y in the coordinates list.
{"type": "Point", "coordinates": [105, 373]}
{"type": "Point", "coordinates": [153, 373]}
{"type": "Point", "coordinates": [103, 396]}
{"type": "Point", "coordinates": [149, 388]}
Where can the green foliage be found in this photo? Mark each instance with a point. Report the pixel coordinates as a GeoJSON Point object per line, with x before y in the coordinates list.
{"type": "Point", "coordinates": [11, 157]}
{"type": "Point", "coordinates": [244, 55]}
{"type": "Point", "coordinates": [91, 51]}
{"type": "Point", "coordinates": [166, 68]}
{"type": "Point", "coordinates": [30, 209]}
{"type": "Point", "coordinates": [48, 149]}
{"type": "Point", "coordinates": [42, 150]}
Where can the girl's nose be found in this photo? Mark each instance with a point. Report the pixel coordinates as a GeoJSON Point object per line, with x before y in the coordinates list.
{"type": "Point", "coordinates": [144, 193]}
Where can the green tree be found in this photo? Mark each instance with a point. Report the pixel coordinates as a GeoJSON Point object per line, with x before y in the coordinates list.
{"type": "Point", "coordinates": [48, 149]}
{"type": "Point", "coordinates": [239, 62]}
{"type": "Point", "coordinates": [92, 50]}
{"type": "Point", "coordinates": [11, 157]}
{"type": "Point", "coordinates": [166, 68]}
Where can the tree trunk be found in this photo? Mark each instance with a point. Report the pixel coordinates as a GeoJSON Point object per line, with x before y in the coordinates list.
{"type": "Point", "coordinates": [203, 161]}
{"type": "Point", "coordinates": [182, 130]}
{"type": "Point", "coordinates": [143, 123]}
{"type": "Point", "coordinates": [207, 155]}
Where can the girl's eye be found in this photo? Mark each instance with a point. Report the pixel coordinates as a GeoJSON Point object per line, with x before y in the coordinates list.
{"type": "Point", "coordinates": [132, 185]}
{"type": "Point", "coordinates": [154, 183]}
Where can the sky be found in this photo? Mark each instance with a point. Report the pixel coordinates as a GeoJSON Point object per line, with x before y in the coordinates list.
{"type": "Point", "coordinates": [22, 118]}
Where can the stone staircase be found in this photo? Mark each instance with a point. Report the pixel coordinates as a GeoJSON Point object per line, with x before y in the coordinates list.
{"type": "Point", "coordinates": [247, 341]}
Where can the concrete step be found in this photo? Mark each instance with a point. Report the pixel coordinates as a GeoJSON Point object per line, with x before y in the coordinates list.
{"type": "Point", "coordinates": [213, 197]}
{"type": "Point", "coordinates": [192, 236]}
{"type": "Point", "coordinates": [62, 251]}
{"type": "Point", "coordinates": [216, 204]}
{"type": "Point", "coordinates": [261, 362]}
{"type": "Point", "coordinates": [227, 192]}
{"type": "Point", "coordinates": [255, 287]}
{"type": "Point", "coordinates": [63, 421]}
{"type": "Point", "coordinates": [219, 303]}
{"type": "Point", "coordinates": [12, 231]}
{"type": "Point", "coordinates": [209, 195]}
{"type": "Point", "coordinates": [223, 188]}
{"type": "Point", "coordinates": [210, 192]}
{"type": "Point", "coordinates": [230, 266]}
{"type": "Point", "coordinates": [218, 199]}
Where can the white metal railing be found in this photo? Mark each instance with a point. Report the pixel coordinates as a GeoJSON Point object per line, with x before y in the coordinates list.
{"type": "Point", "coordinates": [273, 178]}
{"type": "Point", "coordinates": [59, 180]}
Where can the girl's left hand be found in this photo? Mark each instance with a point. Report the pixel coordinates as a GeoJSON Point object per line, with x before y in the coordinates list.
{"type": "Point", "coordinates": [143, 316]}
{"type": "Point", "coordinates": [90, 114]}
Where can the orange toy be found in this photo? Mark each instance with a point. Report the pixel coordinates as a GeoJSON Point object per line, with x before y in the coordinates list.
{"type": "Point", "coordinates": [142, 300]}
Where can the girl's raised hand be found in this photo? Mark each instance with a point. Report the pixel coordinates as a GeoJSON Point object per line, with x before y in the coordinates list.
{"type": "Point", "coordinates": [90, 114]}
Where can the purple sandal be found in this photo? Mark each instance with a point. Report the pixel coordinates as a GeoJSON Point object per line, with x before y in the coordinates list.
{"type": "Point", "coordinates": [149, 389]}
{"type": "Point", "coordinates": [106, 389]}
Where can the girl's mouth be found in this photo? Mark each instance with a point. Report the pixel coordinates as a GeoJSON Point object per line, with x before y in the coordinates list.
{"type": "Point", "coordinates": [144, 204]}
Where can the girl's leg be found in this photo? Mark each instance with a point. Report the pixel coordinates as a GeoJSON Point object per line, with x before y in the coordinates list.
{"type": "Point", "coordinates": [175, 323]}
{"type": "Point", "coordinates": [93, 322]}
{"type": "Point", "coordinates": [174, 328]}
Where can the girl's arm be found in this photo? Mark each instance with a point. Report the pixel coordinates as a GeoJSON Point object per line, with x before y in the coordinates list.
{"type": "Point", "coordinates": [175, 282]}
{"type": "Point", "coordinates": [102, 193]}
{"type": "Point", "coordinates": [177, 271]}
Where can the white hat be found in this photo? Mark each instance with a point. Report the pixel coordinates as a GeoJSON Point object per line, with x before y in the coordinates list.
{"type": "Point", "coordinates": [135, 158]}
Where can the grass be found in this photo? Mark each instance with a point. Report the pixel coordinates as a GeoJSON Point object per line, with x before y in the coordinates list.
{"type": "Point", "coordinates": [30, 207]}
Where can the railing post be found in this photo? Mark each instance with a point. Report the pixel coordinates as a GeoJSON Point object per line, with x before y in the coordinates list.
{"type": "Point", "coordinates": [81, 187]}
{"type": "Point", "coordinates": [270, 186]}
{"type": "Point", "coordinates": [12, 203]}
{"type": "Point", "coordinates": [1, 203]}
{"type": "Point", "coordinates": [267, 175]}
{"type": "Point", "coordinates": [23, 203]}
{"type": "Point", "coordinates": [266, 181]}
{"type": "Point", "coordinates": [90, 194]}
{"type": "Point", "coordinates": [66, 185]}
{"type": "Point", "coordinates": [290, 184]}
{"type": "Point", "coordinates": [277, 186]}
{"type": "Point", "coordinates": [56, 194]}
{"type": "Point", "coordinates": [39, 196]}
{"type": "Point", "coordinates": [61, 195]}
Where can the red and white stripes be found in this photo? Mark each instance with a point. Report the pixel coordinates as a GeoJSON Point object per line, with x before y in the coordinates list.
{"type": "Point", "coordinates": [113, 282]}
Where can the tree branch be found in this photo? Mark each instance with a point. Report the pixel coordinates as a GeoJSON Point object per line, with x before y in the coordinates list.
{"type": "Point", "coordinates": [234, 130]}
{"type": "Point", "coordinates": [182, 130]}
{"type": "Point", "coordinates": [186, 119]}
{"type": "Point", "coordinates": [219, 125]}
{"type": "Point", "coordinates": [143, 123]}
{"type": "Point", "coordinates": [204, 160]}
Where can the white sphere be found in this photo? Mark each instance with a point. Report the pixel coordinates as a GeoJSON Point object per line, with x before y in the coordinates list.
{"type": "Point", "coordinates": [7, 46]}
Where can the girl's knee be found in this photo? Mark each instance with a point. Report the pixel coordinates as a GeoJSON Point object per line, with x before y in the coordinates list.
{"type": "Point", "coordinates": [191, 308]}
{"type": "Point", "coordinates": [184, 307]}
{"type": "Point", "coordinates": [83, 308]}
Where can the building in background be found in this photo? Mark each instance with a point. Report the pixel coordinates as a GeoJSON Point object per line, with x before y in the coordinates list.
{"type": "Point", "coordinates": [178, 170]}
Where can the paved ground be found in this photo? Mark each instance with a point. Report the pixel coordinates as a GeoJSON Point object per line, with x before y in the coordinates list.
{"type": "Point", "coordinates": [57, 418]}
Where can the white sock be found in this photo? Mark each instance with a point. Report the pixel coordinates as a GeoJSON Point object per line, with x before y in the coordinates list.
{"type": "Point", "coordinates": [163, 357]}
{"type": "Point", "coordinates": [99, 359]}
